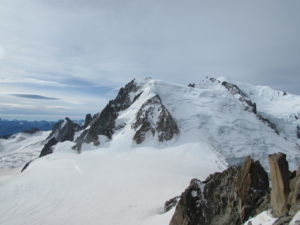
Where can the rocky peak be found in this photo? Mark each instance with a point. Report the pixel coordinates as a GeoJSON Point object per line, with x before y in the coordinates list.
{"type": "Point", "coordinates": [88, 119]}
{"type": "Point", "coordinates": [153, 118]}
{"type": "Point", "coordinates": [229, 198]}
{"type": "Point", "coordinates": [47, 149]}
{"type": "Point", "coordinates": [64, 130]}
{"type": "Point", "coordinates": [103, 123]}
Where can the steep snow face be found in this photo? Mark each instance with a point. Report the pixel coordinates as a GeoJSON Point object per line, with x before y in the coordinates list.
{"type": "Point", "coordinates": [21, 148]}
{"type": "Point", "coordinates": [109, 186]}
{"type": "Point", "coordinates": [280, 107]}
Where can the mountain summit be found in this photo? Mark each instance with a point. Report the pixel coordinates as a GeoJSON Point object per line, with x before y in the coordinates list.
{"type": "Point", "coordinates": [233, 120]}
{"type": "Point", "coordinates": [229, 120]}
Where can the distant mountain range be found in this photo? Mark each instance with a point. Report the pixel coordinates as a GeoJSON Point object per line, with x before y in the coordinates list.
{"type": "Point", "coordinates": [8, 127]}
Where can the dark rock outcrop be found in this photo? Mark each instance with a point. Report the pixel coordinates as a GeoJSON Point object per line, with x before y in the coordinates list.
{"type": "Point", "coordinates": [26, 166]}
{"type": "Point", "coordinates": [294, 196]}
{"type": "Point", "coordinates": [279, 170]}
{"type": "Point", "coordinates": [104, 123]}
{"type": "Point", "coordinates": [32, 131]}
{"type": "Point", "coordinates": [48, 147]}
{"type": "Point", "coordinates": [88, 119]}
{"type": "Point", "coordinates": [251, 180]}
{"type": "Point", "coordinates": [154, 118]}
{"type": "Point", "coordinates": [298, 132]}
{"type": "Point", "coordinates": [233, 89]}
{"type": "Point", "coordinates": [171, 203]}
{"type": "Point", "coordinates": [64, 130]}
{"type": "Point", "coordinates": [227, 198]}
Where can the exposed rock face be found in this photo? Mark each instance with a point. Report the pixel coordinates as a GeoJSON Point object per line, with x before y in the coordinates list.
{"type": "Point", "coordinates": [294, 196]}
{"type": "Point", "coordinates": [48, 148]}
{"type": "Point", "coordinates": [227, 198]}
{"type": "Point", "coordinates": [171, 204]}
{"type": "Point", "coordinates": [234, 90]}
{"type": "Point", "coordinates": [104, 123]}
{"type": "Point", "coordinates": [298, 131]}
{"type": "Point", "coordinates": [64, 130]}
{"type": "Point", "coordinates": [153, 118]}
{"type": "Point", "coordinates": [88, 119]}
{"type": "Point", "coordinates": [279, 170]}
{"type": "Point", "coordinates": [251, 180]}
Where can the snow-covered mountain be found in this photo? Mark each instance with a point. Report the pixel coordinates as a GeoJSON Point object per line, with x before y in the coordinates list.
{"type": "Point", "coordinates": [142, 149]}
{"type": "Point", "coordinates": [232, 120]}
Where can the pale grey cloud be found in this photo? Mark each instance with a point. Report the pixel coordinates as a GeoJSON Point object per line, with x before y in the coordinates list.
{"type": "Point", "coordinates": [53, 46]}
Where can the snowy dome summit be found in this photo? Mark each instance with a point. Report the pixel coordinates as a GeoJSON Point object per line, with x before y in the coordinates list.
{"type": "Point", "coordinates": [142, 149]}
{"type": "Point", "coordinates": [230, 120]}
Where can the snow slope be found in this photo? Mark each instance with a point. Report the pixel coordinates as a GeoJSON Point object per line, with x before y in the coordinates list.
{"type": "Point", "coordinates": [21, 148]}
{"type": "Point", "coordinates": [280, 107]}
{"type": "Point", "coordinates": [107, 186]}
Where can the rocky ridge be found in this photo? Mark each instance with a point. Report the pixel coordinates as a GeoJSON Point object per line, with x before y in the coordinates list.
{"type": "Point", "coordinates": [238, 193]}
{"type": "Point", "coordinates": [228, 198]}
{"type": "Point", "coordinates": [152, 118]}
{"type": "Point", "coordinates": [248, 103]}
{"type": "Point", "coordinates": [63, 130]}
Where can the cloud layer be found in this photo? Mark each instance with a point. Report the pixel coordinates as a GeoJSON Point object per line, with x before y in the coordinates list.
{"type": "Point", "coordinates": [80, 50]}
{"type": "Point", "coordinates": [32, 96]}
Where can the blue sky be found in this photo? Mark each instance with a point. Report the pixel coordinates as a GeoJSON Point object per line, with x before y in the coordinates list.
{"type": "Point", "coordinates": [68, 57]}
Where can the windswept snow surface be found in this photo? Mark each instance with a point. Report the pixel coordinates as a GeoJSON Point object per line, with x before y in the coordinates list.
{"type": "Point", "coordinates": [104, 186]}
{"type": "Point", "coordinates": [20, 148]}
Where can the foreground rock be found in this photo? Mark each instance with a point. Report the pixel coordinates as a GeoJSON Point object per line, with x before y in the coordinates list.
{"type": "Point", "coordinates": [228, 198]}
{"type": "Point", "coordinates": [279, 170]}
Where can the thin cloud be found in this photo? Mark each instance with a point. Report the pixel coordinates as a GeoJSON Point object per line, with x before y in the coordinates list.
{"type": "Point", "coordinates": [32, 96]}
